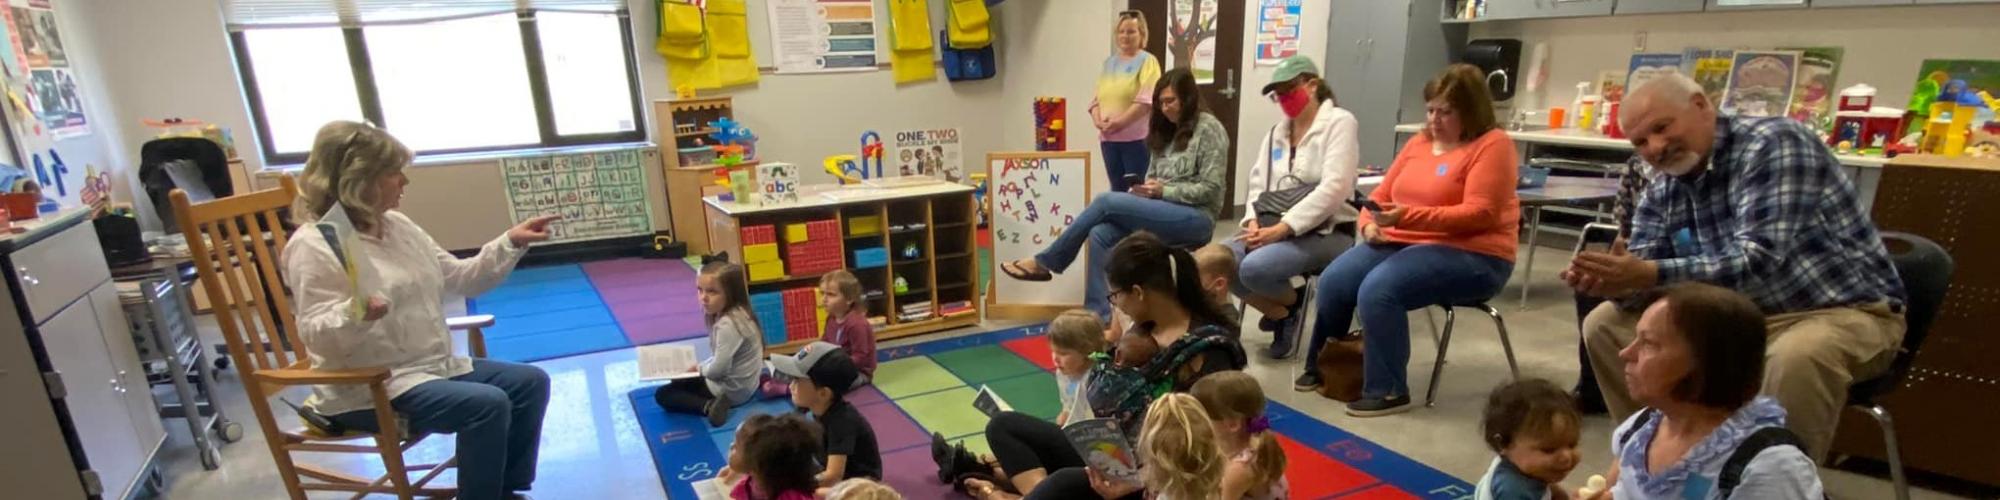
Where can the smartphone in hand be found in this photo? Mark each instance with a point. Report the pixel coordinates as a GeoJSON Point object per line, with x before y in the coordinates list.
{"type": "Point", "coordinates": [1133, 180]}
{"type": "Point", "coordinates": [1597, 237]}
{"type": "Point", "coordinates": [1361, 203]}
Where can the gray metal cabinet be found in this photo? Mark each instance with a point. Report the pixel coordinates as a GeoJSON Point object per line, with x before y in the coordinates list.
{"type": "Point", "coordinates": [1955, 1]}
{"type": "Point", "coordinates": [87, 380]}
{"type": "Point", "coordinates": [1379, 54]}
{"type": "Point", "coordinates": [1539, 9]}
{"type": "Point", "coordinates": [1819, 4]}
{"type": "Point", "coordinates": [1658, 6]}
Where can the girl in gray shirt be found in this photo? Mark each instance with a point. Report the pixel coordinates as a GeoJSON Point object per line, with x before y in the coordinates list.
{"type": "Point", "coordinates": [729, 377]}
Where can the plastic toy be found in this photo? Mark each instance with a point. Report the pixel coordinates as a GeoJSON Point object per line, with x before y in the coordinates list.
{"type": "Point", "coordinates": [902, 285]}
{"type": "Point", "coordinates": [910, 250]}
{"type": "Point", "coordinates": [843, 169]}
{"type": "Point", "coordinates": [1845, 147]}
{"type": "Point", "coordinates": [1859, 121]}
{"type": "Point", "coordinates": [735, 142]}
{"type": "Point", "coordinates": [871, 153]}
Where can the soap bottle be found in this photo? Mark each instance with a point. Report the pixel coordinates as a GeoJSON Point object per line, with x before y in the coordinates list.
{"type": "Point", "coordinates": [1576, 105]}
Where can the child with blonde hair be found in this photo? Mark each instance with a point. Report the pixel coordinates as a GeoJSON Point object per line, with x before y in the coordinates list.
{"type": "Point", "coordinates": [1216, 265]}
{"type": "Point", "coordinates": [1256, 465]}
{"type": "Point", "coordinates": [1073, 337]}
{"type": "Point", "coordinates": [1183, 461]}
{"type": "Point", "coordinates": [861, 489]}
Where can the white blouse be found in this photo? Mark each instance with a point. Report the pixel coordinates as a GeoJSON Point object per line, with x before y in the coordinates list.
{"type": "Point", "coordinates": [1328, 158]}
{"type": "Point", "coordinates": [411, 340]}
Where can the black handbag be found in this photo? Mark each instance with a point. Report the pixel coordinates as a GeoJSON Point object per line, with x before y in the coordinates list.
{"type": "Point", "coordinates": [1271, 205]}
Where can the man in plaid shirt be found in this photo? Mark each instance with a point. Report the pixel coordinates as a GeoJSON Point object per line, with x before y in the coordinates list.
{"type": "Point", "coordinates": [1758, 205]}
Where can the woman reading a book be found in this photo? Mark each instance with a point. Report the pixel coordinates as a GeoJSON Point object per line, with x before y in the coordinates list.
{"type": "Point", "coordinates": [1155, 285]}
{"type": "Point", "coordinates": [375, 303]}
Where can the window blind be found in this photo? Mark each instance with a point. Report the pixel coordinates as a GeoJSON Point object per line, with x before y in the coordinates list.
{"type": "Point", "coordinates": [254, 14]}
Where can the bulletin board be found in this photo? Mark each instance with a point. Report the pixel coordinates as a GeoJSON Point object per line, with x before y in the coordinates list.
{"type": "Point", "coordinates": [1033, 197]}
{"type": "Point", "coordinates": [598, 194]}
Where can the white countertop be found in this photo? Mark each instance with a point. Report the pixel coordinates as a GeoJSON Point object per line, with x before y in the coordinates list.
{"type": "Point", "coordinates": [813, 197]}
{"type": "Point", "coordinates": [1583, 139]}
{"type": "Point", "coordinates": [41, 227]}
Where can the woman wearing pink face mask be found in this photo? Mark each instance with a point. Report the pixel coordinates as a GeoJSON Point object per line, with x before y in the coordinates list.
{"type": "Point", "coordinates": [1313, 148]}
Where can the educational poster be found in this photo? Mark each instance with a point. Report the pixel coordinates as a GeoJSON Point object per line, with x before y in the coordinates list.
{"type": "Point", "coordinates": [40, 61]}
{"type": "Point", "coordinates": [1031, 199]}
{"type": "Point", "coordinates": [599, 195]}
{"type": "Point", "coordinates": [1646, 67]}
{"type": "Point", "coordinates": [1812, 100]}
{"type": "Point", "coordinates": [1277, 31]}
{"type": "Point", "coordinates": [1191, 37]}
{"type": "Point", "coordinates": [1710, 68]}
{"type": "Point", "coordinates": [821, 36]}
{"type": "Point", "coordinates": [777, 182]}
{"type": "Point", "coordinates": [1761, 83]}
{"type": "Point", "coordinates": [930, 152]}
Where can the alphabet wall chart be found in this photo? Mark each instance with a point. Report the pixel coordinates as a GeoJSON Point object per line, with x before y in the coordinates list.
{"type": "Point", "coordinates": [1033, 197]}
{"type": "Point", "coordinates": [599, 195]}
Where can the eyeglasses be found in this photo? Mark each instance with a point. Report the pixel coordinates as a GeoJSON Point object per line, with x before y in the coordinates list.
{"type": "Point", "coordinates": [1113, 296]}
{"type": "Point", "coordinates": [1130, 14]}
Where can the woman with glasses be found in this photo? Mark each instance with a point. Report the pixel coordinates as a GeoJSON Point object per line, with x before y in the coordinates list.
{"type": "Point", "coordinates": [1123, 99]}
{"type": "Point", "coordinates": [1178, 200]}
{"type": "Point", "coordinates": [1297, 220]}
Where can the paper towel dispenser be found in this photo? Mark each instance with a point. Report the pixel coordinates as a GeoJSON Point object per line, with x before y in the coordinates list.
{"type": "Point", "coordinates": [1500, 59]}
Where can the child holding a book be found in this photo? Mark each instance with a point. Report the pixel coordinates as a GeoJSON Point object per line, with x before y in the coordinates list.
{"type": "Point", "coordinates": [847, 321]}
{"type": "Point", "coordinates": [729, 377]}
{"type": "Point", "coordinates": [1256, 465]}
{"type": "Point", "coordinates": [1534, 427]}
{"type": "Point", "coordinates": [821, 375]}
{"type": "Point", "coordinates": [771, 459]}
{"type": "Point", "coordinates": [1183, 459]}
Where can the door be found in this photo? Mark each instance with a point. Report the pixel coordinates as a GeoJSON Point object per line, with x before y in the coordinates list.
{"type": "Point", "coordinates": [97, 410]}
{"type": "Point", "coordinates": [1206, 35]}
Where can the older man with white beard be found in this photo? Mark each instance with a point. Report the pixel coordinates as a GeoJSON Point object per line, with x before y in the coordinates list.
{"type": "Point", "coordinates": [1758, 205]}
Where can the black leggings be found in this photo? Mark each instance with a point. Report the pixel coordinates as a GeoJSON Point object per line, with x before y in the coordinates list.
{"type": "Point", "coordinates": [1023, 443]}
{"type": "Point", "coordinates": [1586, 380]}
{"type": "Point", "coordinates": [688, 395]}
{"type": "Point", "coordinates": [1069, 483]}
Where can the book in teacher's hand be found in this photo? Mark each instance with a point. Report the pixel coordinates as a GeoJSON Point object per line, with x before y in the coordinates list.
{"type": "Point", "coordinates": [989, 402]}
{"type": "Point", "coordinates": [345, 242]}
{"type": "Point", "coordinates": [1104, 449]}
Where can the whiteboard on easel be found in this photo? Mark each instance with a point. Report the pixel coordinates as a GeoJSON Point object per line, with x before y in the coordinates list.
{"type": "Point", "coordinates": [1031, 198]}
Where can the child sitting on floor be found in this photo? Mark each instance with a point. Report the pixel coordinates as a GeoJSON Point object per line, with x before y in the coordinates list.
{"type": "Point", "coordinates": [729, 377]}
{"type": "Point", "coordinates": [862, 489]}
{"type": "Point", "coordinates": [1217, 267]}
{"type": "Point", "coordinates": [821, 375]}
{"type": "Point", "coordinates": [1256, 467]}
{"type": "Point", "coordinates": [772, 459]}
{"type": "Point", "coordinates": [1182, 459]}
{"type": "Point", "coordinates": [1073, 337]}
{"type": "Point", "coordinates": [847, 321]}
{"type": "Point", "coordinates": [1533, 426]}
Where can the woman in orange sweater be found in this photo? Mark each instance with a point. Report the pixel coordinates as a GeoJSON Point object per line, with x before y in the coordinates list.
{"type": "Point", "coordinates": [1445, 232]}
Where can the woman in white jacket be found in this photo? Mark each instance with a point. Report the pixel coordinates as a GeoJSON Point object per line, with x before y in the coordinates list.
{"type": "Point", "coordinates": [494, 407]}
{"type": "Point", "coordinates": [1315, 146]}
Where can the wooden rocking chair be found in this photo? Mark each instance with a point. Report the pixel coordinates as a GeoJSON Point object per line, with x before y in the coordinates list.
{"type": "Point", "coordinates": [236, 243]}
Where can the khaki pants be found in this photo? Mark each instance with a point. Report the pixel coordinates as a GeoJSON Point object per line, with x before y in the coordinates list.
{"type": "Point", "coordinates": [1809, 360]}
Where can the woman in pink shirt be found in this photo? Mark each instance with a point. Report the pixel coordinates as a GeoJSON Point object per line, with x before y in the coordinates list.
{"type": "Point", "coordinates": [1445, 233]}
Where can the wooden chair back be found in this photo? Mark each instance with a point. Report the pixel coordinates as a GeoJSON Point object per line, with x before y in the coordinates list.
{"type": "Point", "coordinates": [236, 244]}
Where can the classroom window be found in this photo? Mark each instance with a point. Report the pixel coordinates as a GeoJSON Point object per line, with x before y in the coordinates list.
{"type": "Point", "coordinates": [493, 82]}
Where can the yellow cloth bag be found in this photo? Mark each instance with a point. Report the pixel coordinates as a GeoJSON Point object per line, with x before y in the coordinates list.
{"type": "Point", "coordinates": [683, 35]}
{"type": "Point", "coordinates": [729, 42]}
{"type": "Point", "coordinates": [912, 57]}
{"type": "Point", "coordinates": [968, 28]}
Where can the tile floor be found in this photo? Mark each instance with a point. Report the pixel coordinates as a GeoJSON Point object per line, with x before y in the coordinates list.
{"type": "Point", "coordinates": [592, 447]}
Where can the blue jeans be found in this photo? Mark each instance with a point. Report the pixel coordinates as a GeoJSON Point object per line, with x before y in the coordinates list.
{"type": "Point", "coordinates": [1127, 157]}
{"type": "Point", "coordinates": [497, 413]}
{"type": "Point", "coordinates": [1111, 217]}
{"type": "Point", "coordinates": [1386, 281]}
{"type": "Point", "coordinates": [1268, 270]}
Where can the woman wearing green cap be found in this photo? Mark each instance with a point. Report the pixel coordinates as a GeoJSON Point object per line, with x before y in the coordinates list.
{"type": "Point", "coordinates": [1296, 222]}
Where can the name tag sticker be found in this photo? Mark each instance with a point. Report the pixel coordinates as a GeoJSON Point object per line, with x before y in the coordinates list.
{"type": "Point", "coordinates": [1442, 168]}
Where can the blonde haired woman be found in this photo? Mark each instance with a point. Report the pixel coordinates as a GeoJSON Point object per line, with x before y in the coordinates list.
{"type": "Point", "coordinates": [494, 407]}
{"type": "Point", "coordinates": [1123, 100]}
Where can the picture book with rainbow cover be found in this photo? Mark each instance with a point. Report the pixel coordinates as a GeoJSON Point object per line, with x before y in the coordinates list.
{"type": "Point", "coordinates": [1104, 449]}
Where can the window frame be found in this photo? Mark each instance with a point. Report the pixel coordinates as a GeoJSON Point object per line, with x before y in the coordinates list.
{"type": "Point", "coordinates": [371, 101]}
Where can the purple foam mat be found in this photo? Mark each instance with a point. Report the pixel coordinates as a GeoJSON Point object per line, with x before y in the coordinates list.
{"type": "Point", "coordinates": [663, 329]}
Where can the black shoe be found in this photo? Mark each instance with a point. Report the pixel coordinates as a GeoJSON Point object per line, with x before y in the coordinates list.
{"type": "Point", "coordinates": [1285, 340]}
{"type": "Point", "coordinates": [1307, 381]}
{"type": "Point", "coordinates": [718, 412]}
{"type": "Point", "coordinates": [1267, 324]}
{"type": "Point", "coordinates": [1590, 404]}
{"type": "Point", "coordinates": [1376, 407]}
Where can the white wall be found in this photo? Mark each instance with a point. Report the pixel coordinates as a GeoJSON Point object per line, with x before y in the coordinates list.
{"type": "Point", "coordinates": [1883, 45]}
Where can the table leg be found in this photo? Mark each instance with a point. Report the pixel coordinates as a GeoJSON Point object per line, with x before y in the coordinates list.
{"type": "Point", "coordinates": [1528, 271]}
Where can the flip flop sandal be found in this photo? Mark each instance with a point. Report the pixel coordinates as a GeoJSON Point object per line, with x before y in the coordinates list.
{"type": "Point", "coordinates": [1014, 271]}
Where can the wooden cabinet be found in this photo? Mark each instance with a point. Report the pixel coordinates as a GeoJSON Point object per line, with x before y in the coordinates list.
{"type": "Point", "coordinates": [70, 371]}
{"type": "Point", "coordinates": [680, 124]}
{"type": "Point", "coordinates": [1657, 6]}
{"type": "Point", "coordinates": [1542, 9]}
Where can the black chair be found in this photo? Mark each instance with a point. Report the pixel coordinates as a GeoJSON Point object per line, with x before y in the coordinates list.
{"type": "Point", "coordinates": [1926, 272]}
{"type": "Point", "coordinates": [1444, 342]}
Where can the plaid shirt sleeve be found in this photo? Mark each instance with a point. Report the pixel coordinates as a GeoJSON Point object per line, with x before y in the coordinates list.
{"type": "Point", "coordinates": [1771, 197]}
{"type": "Point", "coordinates": [1646, 224]}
